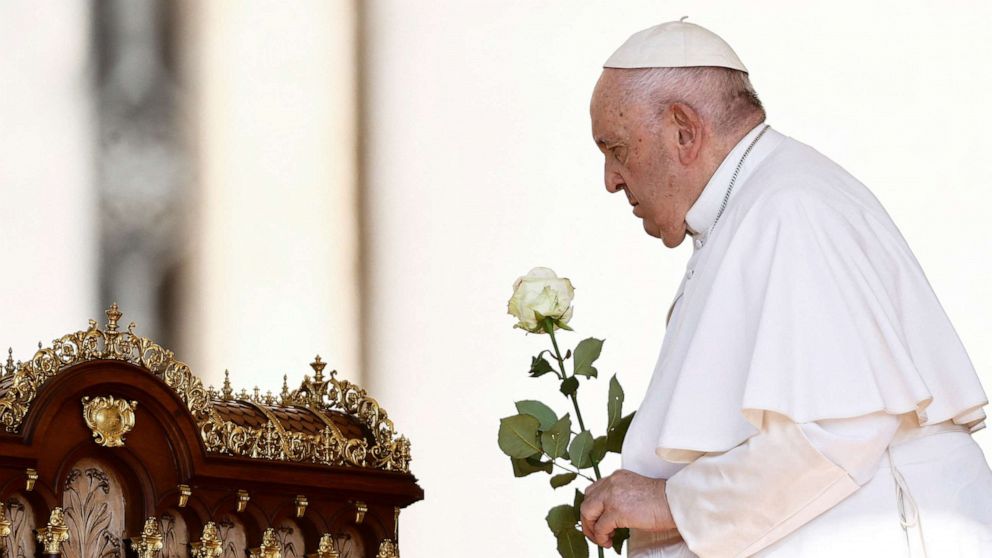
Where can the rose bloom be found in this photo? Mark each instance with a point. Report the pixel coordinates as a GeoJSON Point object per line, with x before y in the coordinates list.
{"type": "Point", "coordinates": [543, 292]}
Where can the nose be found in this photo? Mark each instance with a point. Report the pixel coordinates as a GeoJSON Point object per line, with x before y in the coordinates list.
{"type": "Point", "coordinates": [614, 182]}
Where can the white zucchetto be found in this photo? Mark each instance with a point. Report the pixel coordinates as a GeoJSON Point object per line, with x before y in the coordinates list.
{"type": "Point", "coordinates": [675, 44]}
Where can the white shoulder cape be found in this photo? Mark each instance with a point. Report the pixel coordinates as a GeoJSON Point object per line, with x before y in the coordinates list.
{"type": "Point", "coordinates": [807, 301]}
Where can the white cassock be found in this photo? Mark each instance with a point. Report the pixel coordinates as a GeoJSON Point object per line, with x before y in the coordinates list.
{"type": "Point", "coordinates": [811, 397]}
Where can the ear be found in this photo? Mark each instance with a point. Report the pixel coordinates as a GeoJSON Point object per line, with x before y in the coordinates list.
{"type": "Point", "coordinates": [689, 127]}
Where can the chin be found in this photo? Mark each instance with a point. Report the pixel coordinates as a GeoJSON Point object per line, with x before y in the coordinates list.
{"type": "Point", "coordinates": [670, 241]}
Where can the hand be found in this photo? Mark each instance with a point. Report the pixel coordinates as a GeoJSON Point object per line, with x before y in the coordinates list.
{"type": "Point", "coordinates": [624, 499]}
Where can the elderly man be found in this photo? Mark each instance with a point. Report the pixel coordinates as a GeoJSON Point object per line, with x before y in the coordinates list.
{"type": "Point", "coordinates": [811, 397]}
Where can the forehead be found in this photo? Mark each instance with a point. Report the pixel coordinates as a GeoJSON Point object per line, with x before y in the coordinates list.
{"type": "Point", "coordinates": [607, 107]}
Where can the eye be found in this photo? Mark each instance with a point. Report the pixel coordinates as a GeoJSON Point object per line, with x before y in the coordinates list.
{"type": "Point", "coordinates": [620, 153]}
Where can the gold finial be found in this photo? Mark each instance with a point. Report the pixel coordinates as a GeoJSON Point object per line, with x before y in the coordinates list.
{"type": "Point", "coordinates": [256, 395]}
{"type": "Point", "coordinates": [269, 398]}
{"type": "Point", "coordinates": [326, 547]}
{"type": "Point", "coordinates": [212, 393]}
{"type": "Point", "coordinates": [243, 394]}
{"type": "Point", "coordinates": [184, 493]}
{"type": "Point", "coordinates": [243, 498]}
{"type": "Point", "coordinates": [56, 533]}
{"type": "Point", "coordinates": [284, 394]}
{"type": "Point", "coordinates": [318, 368]}
{"type": "Point", "coordinates": [301, 505]}
{"type": "Point", "coordinates": [9, 368]}
{"type": "Point", "coordinates": [270, 547]}
{"type": "Point", "coordinates": [209, 545]}
{"type": "Point", "coordinates": [388, 549]}
{"type": "Point", "coordinates": [5, 523]}
{"type": "Point", "coordinates": [226, 390]}
{"type": "Point", "coordinates": [150, 542]}
{"type": "Point", "coordinates": [113, 314]}
{"type": "Point", "coordinates": [32, 475]}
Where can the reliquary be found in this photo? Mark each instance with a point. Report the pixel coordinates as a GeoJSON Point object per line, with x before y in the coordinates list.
{"type": "Point", "coordinates": [110, 447]}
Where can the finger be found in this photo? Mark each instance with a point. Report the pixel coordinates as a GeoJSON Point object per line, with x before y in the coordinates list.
{"type": "Point", "coordinates": [605, 526]}
{"type": "Point", "coordinates": [589, 512]}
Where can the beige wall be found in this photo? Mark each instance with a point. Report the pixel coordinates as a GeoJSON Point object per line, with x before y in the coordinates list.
{"type": "Point", "coordinates": [274, 274]}
{"type": "Point", "coordinates": [47, 219]}
{"type": "Point", "coordinates": [481, 166]}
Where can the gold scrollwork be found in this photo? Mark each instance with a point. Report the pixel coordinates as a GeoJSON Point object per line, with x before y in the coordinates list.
{"type": "Point", "coordinates": [109, 419]}
{"type": "Point", "coordinates": [321, 393]}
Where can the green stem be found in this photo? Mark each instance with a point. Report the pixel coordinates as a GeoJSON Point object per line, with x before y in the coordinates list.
{"type": "Point", "coordinates": [575, 404]}
{"type": "Point", "coordinates": [575, 401]}
{"type": "Point", "coordinates": [564, 468]}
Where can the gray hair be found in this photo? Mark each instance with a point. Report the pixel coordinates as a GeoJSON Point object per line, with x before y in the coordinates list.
{"type": "Point", "coordinates": [724, 98]}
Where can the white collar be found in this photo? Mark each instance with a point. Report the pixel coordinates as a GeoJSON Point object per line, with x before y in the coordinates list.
{"type": "Point", "coordinates": [704, 211]}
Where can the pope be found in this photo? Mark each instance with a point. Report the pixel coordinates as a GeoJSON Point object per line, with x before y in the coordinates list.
{"type": "Point", "coordinates": [811, 397]}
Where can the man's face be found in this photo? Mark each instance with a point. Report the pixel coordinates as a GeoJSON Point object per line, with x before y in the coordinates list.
{"type": "Point", "coordinates": [640, 148]}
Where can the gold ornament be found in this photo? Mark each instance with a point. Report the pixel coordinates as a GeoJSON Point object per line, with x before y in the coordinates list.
{"type": "Point", "coordinates": [5, 523]}
{"type": "Point", "coordinates": [243, 498]}
{"type": "Point", "coordinates": [270, 547]}
{"type": "Point", "coordinates": [109, 419]}
{"type": "Point", "coordinates": [150, 542]}
{"type": "Point", "coordinates": [209, 545]}
{"type": "Point", "coordinates": [326, 547]}
{"type": "Point", "coordinates": [184, 493]}
{"type": "Point", "coordinates": [361, 508]}
{"type": "Point", "coordinates": [301, 505]}
{"type": "Point", "coordinates": [56, 533]}
{"type": "Point", "coordinates": [388, 549]}
{"type": "Point", "coordinates": [321, 394]}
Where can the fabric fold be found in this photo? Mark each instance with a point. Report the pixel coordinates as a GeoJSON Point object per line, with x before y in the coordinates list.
{"type": "Point", "coordinates": [807, 302]}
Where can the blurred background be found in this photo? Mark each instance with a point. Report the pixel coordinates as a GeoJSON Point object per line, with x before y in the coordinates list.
{"type": "Point", "coordinates": [256, 181]}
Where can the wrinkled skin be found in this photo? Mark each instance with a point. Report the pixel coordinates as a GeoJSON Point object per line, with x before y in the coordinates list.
{"type": "Point", "coordinates": [625, 499]}
{"type": "Point", "coordinates": [661, 162]}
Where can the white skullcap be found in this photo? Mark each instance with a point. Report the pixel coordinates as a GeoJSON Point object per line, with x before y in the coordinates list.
{"type": "Point", "coordinates": [675, 44]}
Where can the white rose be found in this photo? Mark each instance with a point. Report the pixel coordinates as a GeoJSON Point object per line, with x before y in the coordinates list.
{"type": "Point", "coordinates": [543, 292]}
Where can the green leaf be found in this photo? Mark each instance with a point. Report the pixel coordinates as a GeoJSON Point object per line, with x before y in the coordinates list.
{"type": "Point", "coordinates": [619, 536]}
{"type": "Point", "coordinates": [598, 449]}
{"type": "Point", "coordinates": [562, 518]}
{"type": "Point", "coordinates": [563, 325]}
{"type": "Point", "coordinates": [614, 403]}
{"type": "Point", "coordinates": [524, 467]}
{"type": "Point", "coordinates": [572, 544]}
{"type": "Point", "coordinates": [615, 435]}
{"type": "Point", "coordinates": [561, 480]}
{"type": "Point", "coordinates": [579, 498]}
{"type": "Point", "coordinates": [570, 385]}
{"type": "Point", "coordinates": [518, 436]}
{"type": "Point", "coordinates": [538, 410]}
{"type": "Point", "coordinates": [539, 366]}
{"type": "Point", "coordinates": [555, 439]}
{"type": "Point", "coordinates": [586, 353]}
{"type": "Point", "coordinates": [579, 450]}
